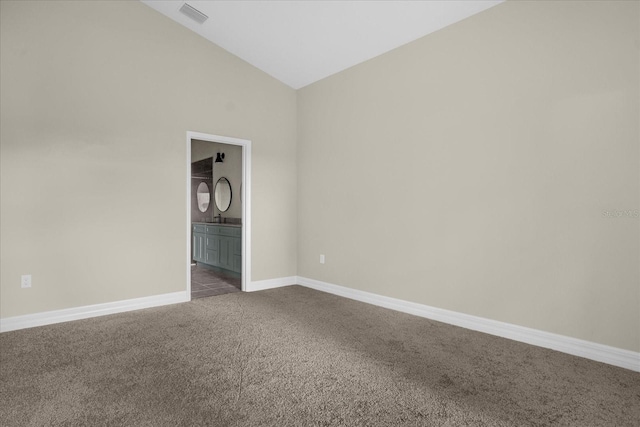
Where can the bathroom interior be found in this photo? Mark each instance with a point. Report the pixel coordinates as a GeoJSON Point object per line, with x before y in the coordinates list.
{"type": "Point", "coordinates": [216, 218]}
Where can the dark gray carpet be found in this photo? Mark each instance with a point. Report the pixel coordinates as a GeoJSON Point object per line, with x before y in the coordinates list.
{"type": "Point", "coordinates": [297, 357]}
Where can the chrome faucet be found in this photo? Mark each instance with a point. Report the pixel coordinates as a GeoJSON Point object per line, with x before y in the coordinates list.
{"type": "Point", "coordinates": [219, 216]}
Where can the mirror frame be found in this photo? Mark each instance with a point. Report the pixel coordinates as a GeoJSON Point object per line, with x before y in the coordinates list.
{"type": "Point", "coordinates": [215, 190]}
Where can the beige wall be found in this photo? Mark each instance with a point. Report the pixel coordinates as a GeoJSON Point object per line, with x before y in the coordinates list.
{"type": "Point", "coordinates": [230, 168]}
{"type": "Point", "coordinates": [96, 99]}
{"type": "Point", "coordinates": [503, 140]}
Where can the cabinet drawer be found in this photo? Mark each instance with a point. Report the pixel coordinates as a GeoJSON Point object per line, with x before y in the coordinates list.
{"type": "Point", "coordinates": [197, 228]}
{"type": "Point", "coordinates": [221, 230]}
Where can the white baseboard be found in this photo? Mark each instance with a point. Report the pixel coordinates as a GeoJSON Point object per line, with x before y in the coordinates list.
{"type": "Point", "coordinates": [85, 312]}
{"type": "Point", "coordinates": [261, 285]}
{"type": "Point", "coordinates": [589, 350]}
{"type": "Point", "coordinates": [68, 314]}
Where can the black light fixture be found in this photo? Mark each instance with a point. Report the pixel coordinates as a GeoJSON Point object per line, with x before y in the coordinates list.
{"type": "Point", "coordinates": [220, 158]}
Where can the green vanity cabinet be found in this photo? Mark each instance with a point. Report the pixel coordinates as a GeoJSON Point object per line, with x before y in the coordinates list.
{"type": "Point", "coordinates": [226, 252]}
{"type": "Point", "coordinates": [212, 249]}
{"type": "Point", "coordinates": [199, 242]}
{"type": "Point", "coordinates": [237, 255]}
{"type": "Point", "coordinates": [218, 245]}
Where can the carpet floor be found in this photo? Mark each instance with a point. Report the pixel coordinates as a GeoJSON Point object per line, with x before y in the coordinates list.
{"type": "Point", "coordinates": [296, 357]}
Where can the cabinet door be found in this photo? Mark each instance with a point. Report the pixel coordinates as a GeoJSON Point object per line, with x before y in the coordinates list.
{"type": "Point", "coordinates": [226, 252]}
{"type": "Point", "coordinates": [237, 255]}
{"type": "Point", "coordinates": [237, 246]}
{"type": "Point", "coordinates": [198, 247]}
{"type": "Point", "coordinates": [237, 264]}
{"type": "Point", "coordinates": [212, 250]}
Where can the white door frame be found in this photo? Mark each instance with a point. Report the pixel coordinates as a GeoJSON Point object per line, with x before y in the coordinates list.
{"type": "Point", "coordinates": [246, 202]}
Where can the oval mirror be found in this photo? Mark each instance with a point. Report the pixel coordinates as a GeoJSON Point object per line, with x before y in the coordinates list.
{"type": "Point", "coordinates": [223, 194]}
{"type": "Point", "coordinates": [204, 196]}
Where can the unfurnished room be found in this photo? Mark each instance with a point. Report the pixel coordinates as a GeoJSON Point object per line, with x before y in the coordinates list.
{"type": "Point", "coordinates": [320, 213]}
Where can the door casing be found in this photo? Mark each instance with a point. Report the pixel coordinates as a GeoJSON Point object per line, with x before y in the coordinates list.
{"type": "Point", "coordinates": [246, 202]}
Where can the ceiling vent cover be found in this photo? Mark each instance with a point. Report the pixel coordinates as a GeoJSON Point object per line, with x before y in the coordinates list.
{"type": "Point", "coordinates": [193, 13]}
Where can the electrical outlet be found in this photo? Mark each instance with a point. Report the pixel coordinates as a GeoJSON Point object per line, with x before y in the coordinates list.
{"type": "Point", "coordinates": [321, 259]}
{"type": "Point", "coordinates": [25, 281]}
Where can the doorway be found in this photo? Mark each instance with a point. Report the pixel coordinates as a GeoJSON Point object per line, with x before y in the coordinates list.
{"type": "Point", "coordinates": [218, 213]}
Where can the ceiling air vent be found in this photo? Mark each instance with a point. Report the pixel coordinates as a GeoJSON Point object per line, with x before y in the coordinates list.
{"type": "Point", "coordinates": [193, 13]}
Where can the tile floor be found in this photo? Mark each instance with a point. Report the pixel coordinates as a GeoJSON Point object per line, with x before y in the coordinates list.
{"type": "Point", "coordinates": [206, 282]}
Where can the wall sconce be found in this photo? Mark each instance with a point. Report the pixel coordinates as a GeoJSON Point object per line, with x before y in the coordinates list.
{"type": "Point", "coordinates": [220, 158]}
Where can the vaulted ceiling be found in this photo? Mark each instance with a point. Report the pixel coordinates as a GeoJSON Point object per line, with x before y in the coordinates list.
{"type": "Point", "coordinates": [300, 42]}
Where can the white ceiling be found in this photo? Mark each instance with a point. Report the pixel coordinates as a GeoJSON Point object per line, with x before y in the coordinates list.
{"type": "Point", "coordinates": [300, 42]}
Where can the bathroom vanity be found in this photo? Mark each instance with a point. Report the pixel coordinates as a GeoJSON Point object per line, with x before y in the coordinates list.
{"type": "Point", "coordinates": [218, 245]}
